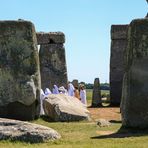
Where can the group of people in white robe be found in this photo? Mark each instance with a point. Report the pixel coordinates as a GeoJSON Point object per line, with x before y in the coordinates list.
{"type": "Point", "coordinates": [72, 91]}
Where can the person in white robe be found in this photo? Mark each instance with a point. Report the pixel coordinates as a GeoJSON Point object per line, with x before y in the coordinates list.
{"type": "Point", "coordinates": [62, 90]}
{"type": "Point", "coordinates": [42, 96]}
{"type": "Point", "coordinates": [83, 95]}
{"type": "Point", "coordinates": [71, 89]}
{"type": "Point", "coordinates": [55, 89]}
{"type": "Point", "coordinates": [47, 92]}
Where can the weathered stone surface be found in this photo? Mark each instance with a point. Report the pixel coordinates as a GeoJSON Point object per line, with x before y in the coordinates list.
{"type": "Point", "coordinates": [52, 59]}
{"type": "Point", "coordinates": [19, 70]}
{"type": "Point", "coordinates": [65, 108]}
{"type": "Point", "coordinates": [28, 132]}
{"type": "Point", "coordinates": [103, 123]}
{"type": "Point", "coordinates": [117, 64]}
{"type": "Point", "coordinates": [96, 96]}
{"type": "Point", "coordinates": [134, 106]}
{"type": "Point", "coordinates": [119, 32]}
{"type": "Point", "coordinates": [75, 83]}
{"type": "Point", "coordinates": [53, 65]}
{"type": "Point", "coordinates": [50, 38]}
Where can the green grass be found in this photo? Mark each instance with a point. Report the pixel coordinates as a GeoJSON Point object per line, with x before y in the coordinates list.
{"type": "Point", "coordinates": [83, 135]}
{"type": "Point", "coordinates": [89, 95]}
{"type": "Point", "coordinates": [86, 135]}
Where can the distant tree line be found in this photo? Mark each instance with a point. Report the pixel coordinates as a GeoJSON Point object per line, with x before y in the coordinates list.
{"type": "Point", "coordinates": [103, 86]}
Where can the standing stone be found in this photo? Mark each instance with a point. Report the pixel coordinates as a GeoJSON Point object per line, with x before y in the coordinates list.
{"type": "Point", "coordinates": [52, 59]}
{"type": "Point", "coordinates": [75, 83]}
{"type": "Point", "coordinates": [134, 105]}
{"type": "Point", "coordinates": [19, 71]}
{"type": "Point", "coordinates": [117, 65]}
{"type": "Point", "coordinates": [96, 97]}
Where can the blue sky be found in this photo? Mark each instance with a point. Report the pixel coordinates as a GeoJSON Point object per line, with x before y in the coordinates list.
{"type": "Point", "coordinates": [86, 25]}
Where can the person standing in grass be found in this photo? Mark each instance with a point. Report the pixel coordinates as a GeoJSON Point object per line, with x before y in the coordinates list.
{"type": "Point", "coordinates": [55, 89]}
{"type": "Point", "coordinates": [70, 89]}
{"type": "Point", "coordinates": [47, 92]}
{"type": "Point", "coordinates": [42, 97]}
{"type": "Point", "coordinates": [76, 93]}
{"type": "Point", "coordinates": [83, 94]}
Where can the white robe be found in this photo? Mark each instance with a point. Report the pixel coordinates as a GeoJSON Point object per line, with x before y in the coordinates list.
{"type": "Point", "coordinates": [71, 89]}
{"type": "Point", "coordinates": [83, 96]}
{"type": "Point", "coordinates": [47, 91]}
{"type": "Point", "coordinates": [55, 90]}
{"type": "Point", "coordinates": [62, 90]}
{"type": "Point", "coordinates": [42, 96]}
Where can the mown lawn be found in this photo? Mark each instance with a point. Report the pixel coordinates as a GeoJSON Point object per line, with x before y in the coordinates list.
{"type": "Point", "coordinates": [89, 95]}
{"type": "Point", "coordinates": [85, 135]}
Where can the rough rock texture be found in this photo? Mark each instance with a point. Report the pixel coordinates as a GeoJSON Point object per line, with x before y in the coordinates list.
{"type": "Point", "coordinates": [52, 60]}
{"type": "Point", "coordinates": [96, 96]}
{"type": "Point", "coordinates": [19, 71]}
{"type": "Point", "coordinates": [103, 123]}
{"type": "Point", "coordinates": [75, 83]}
{"type": "Point", "coordinates": [117, 64]}
{"type": "Point", "coordinates": [50, 38]}
{"type": "Point", "coordinates": [65, 108]}
{"type": "Point", "coordinates": [23, 131]}
{"type": "Point", "coordinates": [134, 106]}
{"type": "Point", "coordinates": [53, 65]}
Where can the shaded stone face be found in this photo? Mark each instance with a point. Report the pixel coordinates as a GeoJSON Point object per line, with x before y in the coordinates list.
{"type": "Point", "coordinates": [52, 60]}
{"type": "Point", "coordinates": [96, 97]}
{"type": "Point", "coordinates": [19, 70]}
{"type": "Point", "coordinates": [117, 65]}
{"type": "Point", "coordinates": [135, 84]}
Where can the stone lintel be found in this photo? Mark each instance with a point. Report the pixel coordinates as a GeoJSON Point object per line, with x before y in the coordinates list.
{"type": "Point", "coordinates": [50, 38]}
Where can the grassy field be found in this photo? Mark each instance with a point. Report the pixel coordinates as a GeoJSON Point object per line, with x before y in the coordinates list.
{"type": "Point", "coordinates": [89, 95]}
{"type": "Point", "coordinates": [87, 135]}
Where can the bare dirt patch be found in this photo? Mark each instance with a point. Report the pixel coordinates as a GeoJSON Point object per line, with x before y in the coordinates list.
{"type": "Point", "coordinates": [108, 113]}
{"type": "Point", "coordinates": [105, 132]}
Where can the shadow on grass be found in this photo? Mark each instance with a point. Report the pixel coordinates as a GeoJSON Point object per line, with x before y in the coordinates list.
{"type": "Point", "coordinates": [115, 121]}
{"type": "Point", "coordinates": [102, 106]}
{"type": "Point", "coordinates": [124, 132]}
{"type": "Point", "coordinates": [46, 118]}
{"type": "Point", "coordinates": [98, 106]}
